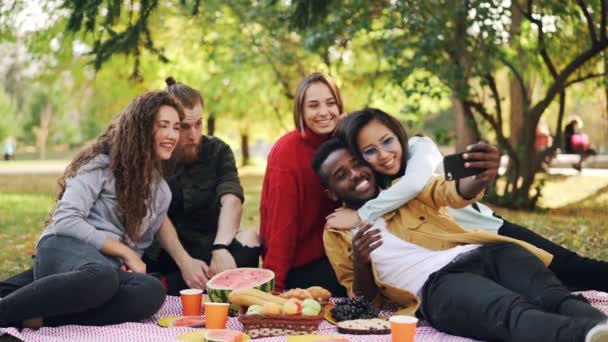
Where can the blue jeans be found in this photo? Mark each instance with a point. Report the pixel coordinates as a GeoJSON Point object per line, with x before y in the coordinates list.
{"type": "Point", "coordinates": [76, 284]}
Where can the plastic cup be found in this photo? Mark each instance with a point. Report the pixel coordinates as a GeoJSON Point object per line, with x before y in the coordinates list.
{"type": "Point", "coordinates": [216, 314]}
{"type": "Point", "coordinates": [191, 301]}
{"type": "Point", "coordinates": [403, 328]}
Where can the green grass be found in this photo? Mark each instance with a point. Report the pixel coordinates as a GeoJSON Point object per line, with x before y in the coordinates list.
{"type": "Point", "coordinates": [577, 216]}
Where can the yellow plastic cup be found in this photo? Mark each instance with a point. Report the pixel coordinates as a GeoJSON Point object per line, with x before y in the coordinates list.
{"type": "Point", "coordinates": [403, 328]}
{"type": "Point", "coordinates": [216, 315]}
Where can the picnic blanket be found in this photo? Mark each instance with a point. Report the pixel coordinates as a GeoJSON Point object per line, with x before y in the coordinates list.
{"type": "Point", "coordinates": [149, 331]}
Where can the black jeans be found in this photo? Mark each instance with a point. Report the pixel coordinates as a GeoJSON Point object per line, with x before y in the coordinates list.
{"type": "Point", "coordinates": [502, 292]}
{"type": "Point", "coordinates": [244, 256]}
{"type": "Point", "coordinates": [76, 284]}
{"type": "Point", "coordinates": [577, 272]}
{"type": "Point", "coordinates": [318, 273]}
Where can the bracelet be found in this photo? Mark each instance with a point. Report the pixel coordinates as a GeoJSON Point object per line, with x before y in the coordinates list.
{"type": "Point", "coordinates": [219, 246]}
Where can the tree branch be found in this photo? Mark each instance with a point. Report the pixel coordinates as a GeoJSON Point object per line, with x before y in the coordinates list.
{"type": "Point", "coordinates": [541, 39]}
{"type": "Point", "coordinates": [502, 140]}
{"type": "Point", "coordinates": [520, 79]}
{"type": "Point", "coordinates": [496, 96]}
{"type": "Point", "coordinates": [584, 78]}
{"type": "Point", "coordinates": [558, 84]}
{"type": "Point", "coordinates": [589, 20]}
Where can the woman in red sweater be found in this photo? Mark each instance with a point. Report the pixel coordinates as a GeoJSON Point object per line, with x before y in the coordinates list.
{"type": "Point", "coordinates": [293, 206]}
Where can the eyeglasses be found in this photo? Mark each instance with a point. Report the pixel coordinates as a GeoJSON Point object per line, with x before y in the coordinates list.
{"type": "Point", "coordinates": [388, 144]}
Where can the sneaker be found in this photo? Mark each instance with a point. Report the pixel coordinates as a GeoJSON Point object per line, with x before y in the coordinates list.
{"type": "Point", "coordinates": [598, 333]}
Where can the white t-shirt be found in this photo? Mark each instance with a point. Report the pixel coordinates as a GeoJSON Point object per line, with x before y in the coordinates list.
{"type": "Point", "coordinates": [408, 266]}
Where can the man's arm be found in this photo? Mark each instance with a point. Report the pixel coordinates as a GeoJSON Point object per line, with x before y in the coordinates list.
{"type": "Point", "coordinates": [230, 197]}
{"type": "Point", "coordinates": [195, 272]}
{"type": "Point", "coordinates": [227, 227]}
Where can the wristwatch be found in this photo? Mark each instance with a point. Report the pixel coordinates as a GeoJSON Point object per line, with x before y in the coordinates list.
{"type": "Point", "coordinates": [217, 246]}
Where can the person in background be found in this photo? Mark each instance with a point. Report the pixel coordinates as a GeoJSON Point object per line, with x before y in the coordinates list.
{"type": "Point", "coordinates": [8, 148]}
{"type": "Point", "coordinates": [576, 142]}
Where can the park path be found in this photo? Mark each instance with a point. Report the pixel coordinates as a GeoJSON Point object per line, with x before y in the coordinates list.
{"type": "Point", "coordinates": [58, 167]}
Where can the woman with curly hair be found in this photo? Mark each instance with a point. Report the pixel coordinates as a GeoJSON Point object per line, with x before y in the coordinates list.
{"type": "Point", "coordinates": [112, 202]}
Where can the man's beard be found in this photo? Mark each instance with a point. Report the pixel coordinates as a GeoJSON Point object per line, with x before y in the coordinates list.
{"type": "Point", "coordinates": [186, 153]}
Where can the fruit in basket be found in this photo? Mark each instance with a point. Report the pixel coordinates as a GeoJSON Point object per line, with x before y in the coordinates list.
{"type": "Point", "coordinates": [248, 297]}
{"type": "Point", "coordinates": [293, 306]}
{"type": "Point", "coordinates": [223, 335]}
{"type": "Point", "coordinates": [255, 309]}
{"type": "Point", "coordinates": [311, 307]}
{"type": "Point", "coordinates": [272, 309]}
{"type": "Point", "coordinates": [222, 284]}
{"type": "Point", "coordinates": [309, 312]}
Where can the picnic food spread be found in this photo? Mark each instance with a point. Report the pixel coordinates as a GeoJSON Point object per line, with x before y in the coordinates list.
{"type": "Point", "coordinates": [294, 312]}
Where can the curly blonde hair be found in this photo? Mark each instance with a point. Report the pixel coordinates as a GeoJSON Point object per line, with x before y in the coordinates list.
{"type": "Point", "coordinates": [129, 141]}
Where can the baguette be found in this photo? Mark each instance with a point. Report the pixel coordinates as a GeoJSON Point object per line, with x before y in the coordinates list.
{"type": "Point", "coordinates": [248, 297]}
{"type": "Point", "coordinates": [319, 293]}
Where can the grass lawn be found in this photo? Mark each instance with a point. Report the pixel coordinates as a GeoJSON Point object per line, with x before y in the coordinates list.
{"type": "Point", "coordinates": [577, 216]}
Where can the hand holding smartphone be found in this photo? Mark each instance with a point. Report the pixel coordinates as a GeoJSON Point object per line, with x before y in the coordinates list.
{"type": "Point", "coordinates": [482, 160]}
{"type": "Point", "coordinates": [453, 167]}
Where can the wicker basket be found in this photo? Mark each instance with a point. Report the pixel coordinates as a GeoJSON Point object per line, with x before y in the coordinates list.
{"type": "Point", "coordinates": [280, 325]}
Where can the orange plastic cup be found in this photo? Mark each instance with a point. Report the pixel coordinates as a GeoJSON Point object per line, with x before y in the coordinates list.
{"type": "Point", "coordinates": [403, 328]}
{"type": "Point", "coordinates": [191, 301]}
{"type": "Point", "coordinates": [216, 315]}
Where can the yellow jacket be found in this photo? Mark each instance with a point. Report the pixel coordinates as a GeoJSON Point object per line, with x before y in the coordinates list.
{"type": "Point", "coordinates": [423, 221]}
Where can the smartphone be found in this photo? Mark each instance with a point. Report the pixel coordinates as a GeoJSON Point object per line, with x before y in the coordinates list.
{"type": "Point", "coordinates": [453, 167]}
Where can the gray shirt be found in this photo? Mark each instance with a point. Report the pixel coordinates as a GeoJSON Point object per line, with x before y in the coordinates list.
{"type": "Point", "coordinates": [88, 209]}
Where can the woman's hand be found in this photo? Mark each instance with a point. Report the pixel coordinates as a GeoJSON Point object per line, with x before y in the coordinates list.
{"type": "Point", "coordinates": [343, 218]}
{"type": "Point", "coordinates": [365, 241]}
{"type": "Point", "coordinates": [133, 263]}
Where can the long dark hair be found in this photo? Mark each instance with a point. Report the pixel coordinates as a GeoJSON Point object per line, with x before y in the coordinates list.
{"type": "Point", "coordinates": [348, 131]}
{"type": "Point", "coordinates": [129, 142]}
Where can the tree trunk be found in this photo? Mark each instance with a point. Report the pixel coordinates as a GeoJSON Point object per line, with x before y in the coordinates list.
{"type": "Point", "coordinates": [245, 147]}
{"type": "Point", "coordinates": [42, 131]}
{"type": "Point", "coordinates": [605, 122]}
{"type": "Point", "coordinates": [211, 125]}
{"type": "Point", "coordinates": [465, 126]}
{"type": "Point", "coordinates": [465, 133]}
{"type": "Point", "coordinates": [516, 90]}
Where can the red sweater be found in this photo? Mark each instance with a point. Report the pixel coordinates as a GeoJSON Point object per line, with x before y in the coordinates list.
{"type": "Point", "coordinates": [293, 206]}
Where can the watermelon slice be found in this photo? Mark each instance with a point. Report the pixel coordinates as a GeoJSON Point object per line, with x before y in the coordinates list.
{"type": "Point", "coordinates": [189, 321]}
{"type": "Point", "coordinates": [223, 335]}
{"type": "Point", "coordinates": [220, 286]}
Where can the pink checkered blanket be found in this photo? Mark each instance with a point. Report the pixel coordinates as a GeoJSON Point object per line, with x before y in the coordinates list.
{"type": "Point", "coordinates": [148, 330]}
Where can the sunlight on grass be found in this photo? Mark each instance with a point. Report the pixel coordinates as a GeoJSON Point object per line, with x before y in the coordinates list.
{"type": "Point", "coordinates": [22, 219]}
{"type": "Point", "coordinates": [577, 218]}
